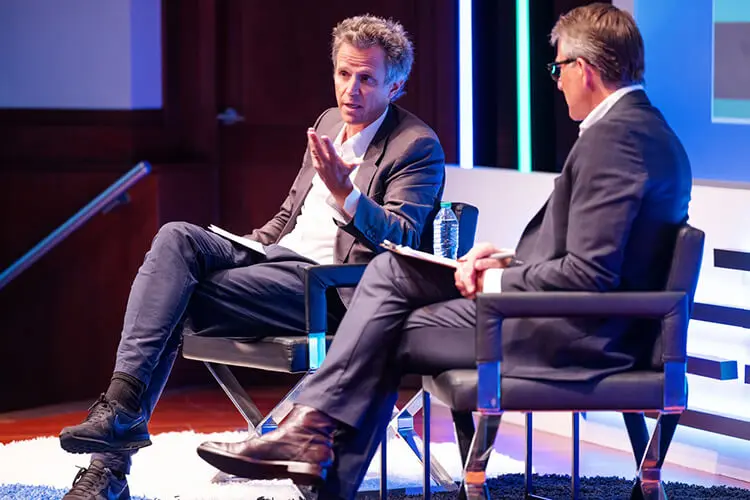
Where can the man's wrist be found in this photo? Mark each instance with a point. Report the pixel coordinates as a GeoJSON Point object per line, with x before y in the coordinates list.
{"type": "Point", "coordinates": [493, 280]}
{"type": "Point", "coordinates": [340, 196]}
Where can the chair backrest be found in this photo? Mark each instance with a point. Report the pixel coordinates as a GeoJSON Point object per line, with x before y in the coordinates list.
{"type": "Point", "coordinates": [467, 216]}
{"type": "Point", "coordinates": [683, 273]}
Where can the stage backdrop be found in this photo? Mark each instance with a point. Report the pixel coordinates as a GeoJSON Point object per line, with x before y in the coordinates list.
{"type": "Point", "coordinates": [698, 74]}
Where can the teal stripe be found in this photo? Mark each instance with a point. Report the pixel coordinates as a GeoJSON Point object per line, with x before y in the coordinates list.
{"type": "Point", "coordinates": [732, 108]}
{"type": "Point", "coordinates": [732, 11]}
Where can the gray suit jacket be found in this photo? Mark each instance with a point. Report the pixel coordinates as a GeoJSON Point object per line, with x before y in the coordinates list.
{"type": "Point", "coordinates": [401, 179]}
{"type": "Point", "coordinates": [609, 224]}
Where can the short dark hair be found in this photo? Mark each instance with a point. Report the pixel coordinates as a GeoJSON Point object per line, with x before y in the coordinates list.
{"type": "Point", "coordinates": [607, 38]}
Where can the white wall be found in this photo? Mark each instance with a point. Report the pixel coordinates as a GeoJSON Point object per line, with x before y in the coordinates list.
{"type": "Point", "coordinates": [80, 54]}
{"type": "Point", "coordinates": [507, 199]}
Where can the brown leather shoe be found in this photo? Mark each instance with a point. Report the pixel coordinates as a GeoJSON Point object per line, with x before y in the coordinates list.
{"type": "Point", "coordinates": [301, 449]}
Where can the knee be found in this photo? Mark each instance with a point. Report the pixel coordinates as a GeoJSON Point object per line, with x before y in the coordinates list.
{"type": "Point", "coordinates": [384, 271]}
{"type": "Point", "coordinates": [385, 263]}
{"type": "Point", "coordinates": [174, 233]}
{"type": "Point", "coordinates": [176, 229]}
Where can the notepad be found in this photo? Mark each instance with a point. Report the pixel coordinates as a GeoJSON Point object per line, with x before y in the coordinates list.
{"type": "Point", "coordinates": [245, 242]}
{"type": "Point", "coordinates": [435, 259]}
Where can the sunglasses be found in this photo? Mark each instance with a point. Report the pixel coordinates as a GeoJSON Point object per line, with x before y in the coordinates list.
{"type": "Point", "coordinates": [555, 68]}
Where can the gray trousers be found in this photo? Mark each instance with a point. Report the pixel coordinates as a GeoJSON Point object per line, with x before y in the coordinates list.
{"type": "Point", "coordinates": [220, 288]}
{"type": "Point", "coordinates": [406, 316]}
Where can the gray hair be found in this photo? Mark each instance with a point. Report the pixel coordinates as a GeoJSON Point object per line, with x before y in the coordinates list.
{"type": "Point", "coordinates": [368, 31]}
{"type": "Point", "coordinates": [607, 38]}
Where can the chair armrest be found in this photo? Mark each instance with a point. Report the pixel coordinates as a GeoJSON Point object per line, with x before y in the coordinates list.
{"type": "Point", "coordinates": [492, 308]}
{"type": "Point", "coordinates": [317, 281]}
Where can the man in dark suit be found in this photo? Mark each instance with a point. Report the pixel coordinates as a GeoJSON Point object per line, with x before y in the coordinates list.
{"type": "Point", "coordinates": [372, 171]}
{"type": "Point", "coordinates": [609, 224]}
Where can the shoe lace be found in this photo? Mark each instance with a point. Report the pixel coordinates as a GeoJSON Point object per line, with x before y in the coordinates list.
{"type": "Point", "coordinates": [86, 479]}
{"type": "Point", "coordinates": [100, 410]}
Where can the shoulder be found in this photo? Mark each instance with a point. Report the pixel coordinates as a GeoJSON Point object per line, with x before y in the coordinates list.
{"type": "Point", "coordinates": [633, 119]}
{"type": "Point", "coordinates": [409, 137]}
{"type": "Point", "coordinates": [409, 125]}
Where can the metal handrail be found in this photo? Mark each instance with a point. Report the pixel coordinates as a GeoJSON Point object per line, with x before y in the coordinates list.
{"type": "Point", "coordinates": [102, 202]}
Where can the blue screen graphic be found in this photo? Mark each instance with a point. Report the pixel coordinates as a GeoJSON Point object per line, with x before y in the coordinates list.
{"type": "Point", "coordinates": [731, 56]}
{"type": "Point", "coordinates": [702, 87]}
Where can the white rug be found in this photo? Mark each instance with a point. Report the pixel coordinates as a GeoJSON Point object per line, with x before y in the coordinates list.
{"type": "Point", "coordinates": [171, 469]}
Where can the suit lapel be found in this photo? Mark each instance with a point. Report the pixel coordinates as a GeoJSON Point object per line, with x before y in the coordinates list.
{"type": "Point", "coordinates": [375, 151]}
{"type": "Point", "coordinates": [365, 175]}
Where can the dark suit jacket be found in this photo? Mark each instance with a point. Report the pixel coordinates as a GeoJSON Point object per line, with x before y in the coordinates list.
{"type": "Point", "coordinates": [401, 179]}
{"type": "Point", "coordinates": [609, 224]}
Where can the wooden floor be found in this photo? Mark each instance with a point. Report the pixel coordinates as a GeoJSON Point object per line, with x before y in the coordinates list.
{"type": "Point", "coordinates": [207, 409]}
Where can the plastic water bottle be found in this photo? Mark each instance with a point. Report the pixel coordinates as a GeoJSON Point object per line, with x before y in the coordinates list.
{"type": "Point", "coordinates": [445, 232]}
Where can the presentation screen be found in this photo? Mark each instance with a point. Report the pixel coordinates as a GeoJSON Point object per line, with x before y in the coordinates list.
{"type": "Point", "coordinates": [698, 74]}
{"type": "Point", "coordinates": [731, 61]}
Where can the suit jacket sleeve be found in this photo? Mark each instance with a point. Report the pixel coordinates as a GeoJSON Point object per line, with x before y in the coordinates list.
{"type": "Point", "coordinates": [269, 233]}
{"type": "Point", "coordinates": [608, 183]}
{"type": "Point", "coordinates": [414, 184]}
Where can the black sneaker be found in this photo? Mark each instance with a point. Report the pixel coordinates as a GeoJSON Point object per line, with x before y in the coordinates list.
{"type": "Point", "coordinates": [108, 427]}
{"type": "Point", "coordinates": [98, 483]}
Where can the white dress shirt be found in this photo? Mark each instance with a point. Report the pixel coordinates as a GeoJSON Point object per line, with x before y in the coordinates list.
{"type": "Point", "coordinates": [603, 107]}
{"type": "Point", "coordinates": [314, 232]}
{"type": "Point", "coordinates": [493, 277]}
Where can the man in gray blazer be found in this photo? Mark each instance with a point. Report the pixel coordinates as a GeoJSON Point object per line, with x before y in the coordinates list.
{"type": "Point", "coordinates": [609, 224]}
{"type": "Point", "coordinates": [372, 171]}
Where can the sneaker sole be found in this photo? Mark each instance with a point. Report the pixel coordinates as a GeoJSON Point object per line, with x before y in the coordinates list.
{"type": "Point", "coordinates": [80, 444]}
{"type": "Point", "coordinates": [300, 473]}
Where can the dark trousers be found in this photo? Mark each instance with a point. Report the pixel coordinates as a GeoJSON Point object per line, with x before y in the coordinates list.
{"type": "Point", "coordinates": [220, 288]}
{"type": "Point", "coordinates": [402, 310]}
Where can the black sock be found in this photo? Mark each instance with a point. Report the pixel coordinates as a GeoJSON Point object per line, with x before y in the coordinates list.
{"type": "Point", "coordinates": [126, 390]}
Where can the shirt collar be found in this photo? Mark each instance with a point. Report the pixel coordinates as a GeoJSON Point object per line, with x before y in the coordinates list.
{"type": "Point", "coordinates": [603, 107]}
{"type": "Point", "coordinates": [356, 145]}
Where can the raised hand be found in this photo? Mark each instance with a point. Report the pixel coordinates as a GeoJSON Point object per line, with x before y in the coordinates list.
{"type": "Point", "coordinates": [332, 170]}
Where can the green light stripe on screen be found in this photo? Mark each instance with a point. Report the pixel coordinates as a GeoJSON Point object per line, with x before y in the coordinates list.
{"type": "Point", "coordinates": [738, 109]}
{"type": "Point", "coordinates": [523, 85]}
{"type": "Point", "coordinates": [731, 11]}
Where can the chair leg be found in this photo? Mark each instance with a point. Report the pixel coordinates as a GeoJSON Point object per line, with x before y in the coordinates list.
{"type": "Point", "coordinates": [403, 422]}
{"type": "Point", "coordinates": [479, 455]}
{"type": "Point", "coordinates": [575, 472]}
{"type": "Point", "coordinates": [463, 426]}
{"type": "Point", "coordinates": [648, 485]}
{"type": "Point", "coordinates": [237, 394]}
{"type": "Point", "coordinates": [528, 472]}
{"type": "Point", "coordinates": [384, 465]}
{"type": "Point", "coordinates": [271, 421]}
{"type": "Point", "coordinates": [427, 456]}
{"type": "Point", "coordinates": [635, 423]}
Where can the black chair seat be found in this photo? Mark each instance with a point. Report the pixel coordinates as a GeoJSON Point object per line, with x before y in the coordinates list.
{"type": "Point", "coordinates": [434, 350]}
{"type": "Point", "coordinates": [278, 354]}
{"type": "Point", "coordinates": [637, 390]}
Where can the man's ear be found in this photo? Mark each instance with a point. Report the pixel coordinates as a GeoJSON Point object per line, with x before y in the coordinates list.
{"type": "Point", "coordinates": [587, 71]}
{"type": "Point", "coordinates": [395, 88]}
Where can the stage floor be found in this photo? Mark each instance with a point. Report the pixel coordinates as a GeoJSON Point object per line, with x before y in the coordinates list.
{"type": "Point", "coordinates": [207, 409]}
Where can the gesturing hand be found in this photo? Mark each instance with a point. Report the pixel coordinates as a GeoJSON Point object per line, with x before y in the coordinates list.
{"type": "Point", "coordinates": [332, 170]}
{"type": "Point", "coordinates": [470, 273]}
